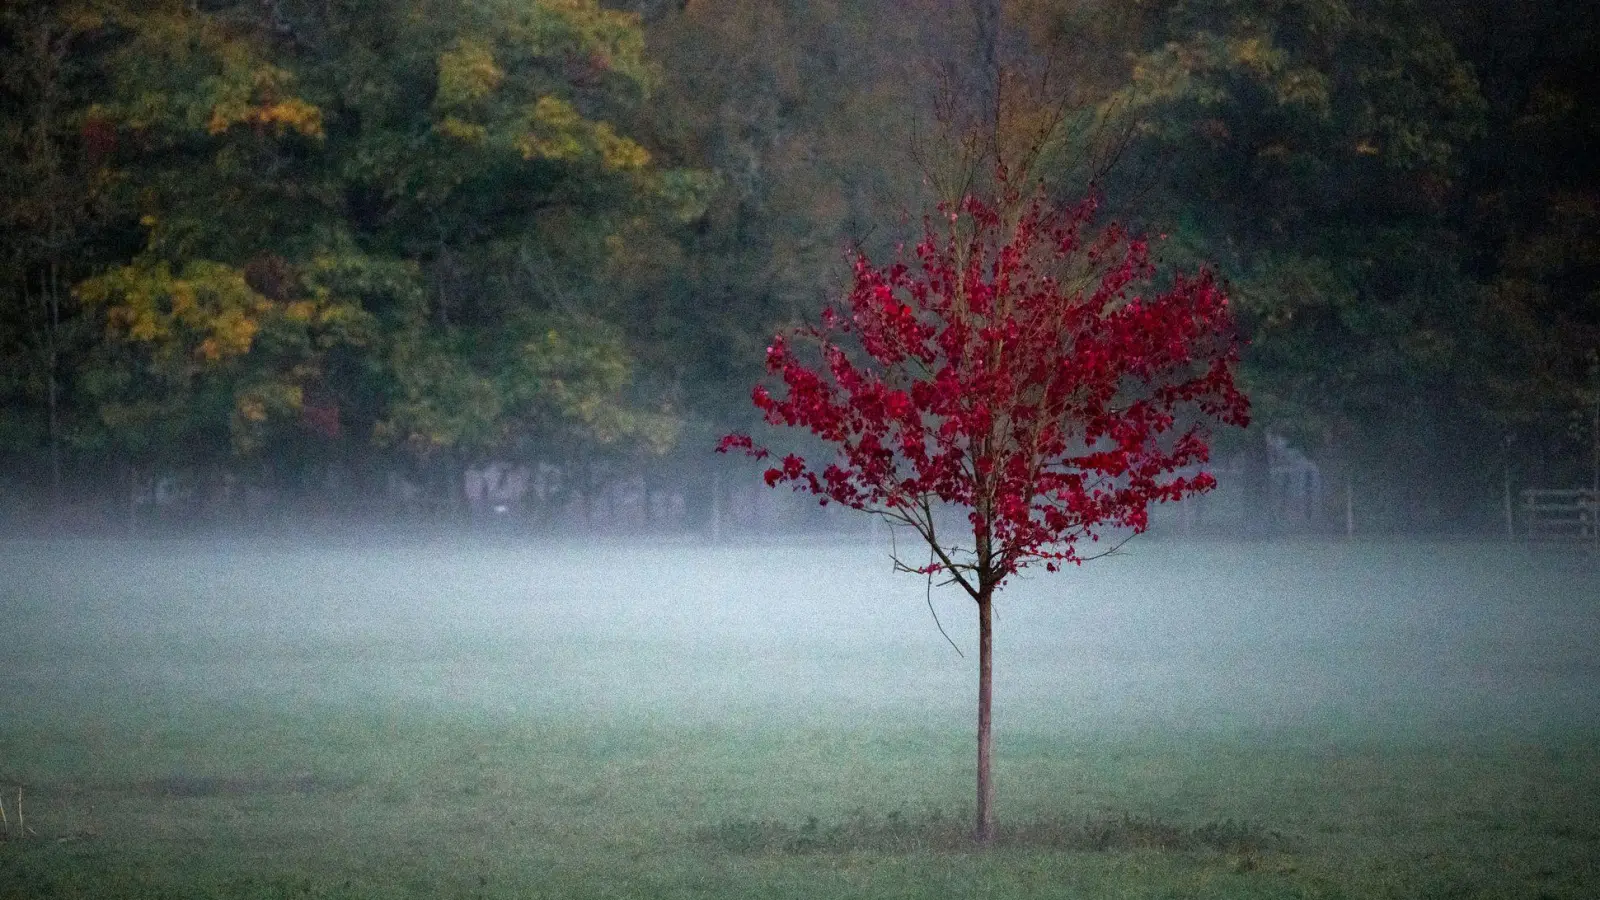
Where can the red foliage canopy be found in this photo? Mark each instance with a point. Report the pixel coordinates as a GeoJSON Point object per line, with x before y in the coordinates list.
{"type": "Point", "coordinates": [1015, 373]}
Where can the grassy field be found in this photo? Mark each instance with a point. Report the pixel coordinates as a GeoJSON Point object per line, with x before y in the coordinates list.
{"type": "Point", "coordinates": [416, 719]}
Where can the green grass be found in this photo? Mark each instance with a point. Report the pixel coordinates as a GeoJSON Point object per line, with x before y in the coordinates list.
{"type": "Point", "coordinates": [1301, 720]}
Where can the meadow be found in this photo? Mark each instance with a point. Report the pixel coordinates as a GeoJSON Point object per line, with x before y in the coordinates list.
{"type": "Point", "coordinates": [502, 719]}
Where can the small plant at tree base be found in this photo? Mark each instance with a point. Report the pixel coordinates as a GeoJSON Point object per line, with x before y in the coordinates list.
{"type": "Point", "coordinates": [1014, 372]}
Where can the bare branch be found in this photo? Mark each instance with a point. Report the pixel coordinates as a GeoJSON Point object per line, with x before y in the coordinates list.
{"type": "Point", "coordinates": [928, 596]}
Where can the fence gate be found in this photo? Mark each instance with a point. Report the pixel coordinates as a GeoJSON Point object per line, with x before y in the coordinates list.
{"type": "Point", "coordinates": [1571, 515]}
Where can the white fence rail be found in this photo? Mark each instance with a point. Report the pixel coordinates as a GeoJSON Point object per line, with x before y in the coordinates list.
{"type": "Point", "coordinates": [1571, 515]}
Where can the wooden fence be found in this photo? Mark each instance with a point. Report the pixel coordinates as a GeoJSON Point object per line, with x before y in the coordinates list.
{"type": "Point", "coordinates": [1562, 515]}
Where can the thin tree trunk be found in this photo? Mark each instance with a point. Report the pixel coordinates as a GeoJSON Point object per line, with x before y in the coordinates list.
{"type": "Point", "coordinates": [1349, 506]}
{"type": "Point", "coordinates": [986, 16]}
{"type": "Point", "coordinates": [984, 832]}
{"type": "Point", "coordinates": [1594, 434]}
{"type": "Point", "coordinates": [53, 390]}
{"type": "Point", "coordinates": [1510, 511]}
{"type": "Point", "coordinates": [133, 499]}
{"type": "Point", "coordinates": [716, 506]}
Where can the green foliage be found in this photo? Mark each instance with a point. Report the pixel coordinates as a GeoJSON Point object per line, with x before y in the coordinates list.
{"type": "Point", "coordinates": [202, 331]}
{"type": "Point", "coordinates": [343, 202]}
{"type": "Point", "coordinates": [1541, 319]}
{"type": "Point", "coordinates": [560, 385]}
{"type": "Point", "coordinates": [1317, 151]}
{"type": "Point", "coordinates": [1399, 190]}
{"type": "Point", "coordinates": [439, 402]}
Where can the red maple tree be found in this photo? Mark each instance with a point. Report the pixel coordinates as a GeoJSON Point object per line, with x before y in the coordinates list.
{"type": "Point", "coordinates": [1015, 373]}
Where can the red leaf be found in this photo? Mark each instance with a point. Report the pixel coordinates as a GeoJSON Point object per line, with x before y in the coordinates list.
{"type": "Point", "coordinates": [976, 378]}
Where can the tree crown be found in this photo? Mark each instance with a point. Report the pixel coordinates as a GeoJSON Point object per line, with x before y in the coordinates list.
{"type": "Point", "coordinates": [1014, 370]}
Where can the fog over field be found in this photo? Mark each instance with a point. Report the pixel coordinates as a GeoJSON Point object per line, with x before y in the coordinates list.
{"type": "Point", "coordinates": [493, 718]}
{"type": "Point", "coordinates": [1302, 639]}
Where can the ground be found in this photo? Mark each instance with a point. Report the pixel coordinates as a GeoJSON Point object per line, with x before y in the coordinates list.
{"type": "Point", "coordinates": [419, 718]}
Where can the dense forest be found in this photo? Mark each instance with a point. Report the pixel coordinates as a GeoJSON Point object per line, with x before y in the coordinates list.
{"type": "Point", "coordinates": [308, 257]}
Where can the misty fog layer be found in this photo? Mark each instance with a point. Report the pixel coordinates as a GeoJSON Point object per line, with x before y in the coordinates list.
{"type": "Point", "coordinates": [1330, 640]}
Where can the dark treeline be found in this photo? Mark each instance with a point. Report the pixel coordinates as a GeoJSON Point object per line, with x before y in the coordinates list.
{"type": "Point", "coordinates": [359, 256]}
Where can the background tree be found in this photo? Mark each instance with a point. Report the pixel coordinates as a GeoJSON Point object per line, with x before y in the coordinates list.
{"type": "Point", "coordinates": [1016, 375]}
{"type": "Point", "coordinates": [53, 186]}
{"type": "Point", "coordinates": [334, 214]}
{"type": "Point", "coordinates": [1396, 190]}
{"type": "Point", "coordinates": [1529, 201]}
{"type": "Point", "coordinates": [1312, 151]}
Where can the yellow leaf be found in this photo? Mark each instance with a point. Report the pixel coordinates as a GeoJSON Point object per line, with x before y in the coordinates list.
{"type": "Point", "coordinates": [467, 73]}
{"type": "Point", "coordinates": [465, 132]}
{"type": "Point", "coordinates": [290, 115]}
{"type": "Point", "coordinates": [555, 113]}
{"type": "Point", "coordinates": [617, 152]}
{"type": "Point", "coordinates": [183, 300]}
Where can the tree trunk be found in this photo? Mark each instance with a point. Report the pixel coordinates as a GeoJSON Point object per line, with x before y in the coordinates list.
{"type": "Point", "coordinates": [52, 371]}
{"type": "Point", "coordinates": [716, 506]}
{"type": "Point", "coordinates": [986, 17]}
{"type": "Point", "coordinates": [132, 495]}
{"type": "Point", "coordinates": [984, 832]}
{"type": "Point", "coordinates": [1509, 510]}
{"type": "Point", "coordinates": [1349, 506]}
